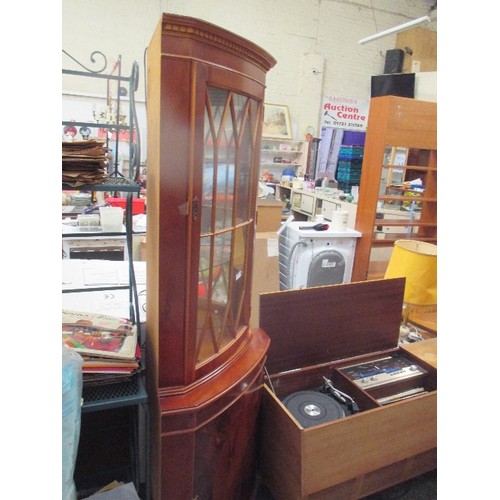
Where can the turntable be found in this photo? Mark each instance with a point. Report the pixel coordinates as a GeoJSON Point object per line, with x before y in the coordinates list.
{"type": "Point", "coordinates": [313, 408]}
{"type": "Point", "coordinates": [325, 404]}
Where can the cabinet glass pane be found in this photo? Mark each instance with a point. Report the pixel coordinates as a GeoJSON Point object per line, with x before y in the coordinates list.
{"type": "Point", "coordinates": [247, 116]}
{"type": "Point", "coordinates": [403, 174]}
{"type": "Point", "coordinates": [390, 176]}
{"type": "Point", "coordinates": [230, 121]}
{"type": "Point", "coordinates": [406, 207]}
{"type": "Point", "coordinates": [418, 157]}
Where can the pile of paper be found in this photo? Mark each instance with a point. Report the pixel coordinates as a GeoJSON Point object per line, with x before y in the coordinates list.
{"type": "Point", "coordinates": [84, 162]}
{"type": "Point", "coordinates": [107, 344]}
{"type": "Point", "coordinates": [116, 491]}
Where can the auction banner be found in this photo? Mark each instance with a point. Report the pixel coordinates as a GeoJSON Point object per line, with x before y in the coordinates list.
{"type": "Point", "coordinates": [344, 112]}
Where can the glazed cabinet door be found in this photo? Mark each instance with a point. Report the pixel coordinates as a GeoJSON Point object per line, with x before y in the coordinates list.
{"type": "Point", "coordinates": [225, 212]}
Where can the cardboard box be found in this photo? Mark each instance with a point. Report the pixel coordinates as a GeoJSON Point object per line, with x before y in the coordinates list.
{"type": "Point", "coordinates": [269, 215]}
{"type": "Point", "coordinates": [318, 332]}
{"type": "Point", "coordinates": [265, 271]}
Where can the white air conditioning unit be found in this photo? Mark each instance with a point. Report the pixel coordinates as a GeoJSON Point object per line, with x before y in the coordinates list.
{"type": "Point", "coordinates": [313, 258]}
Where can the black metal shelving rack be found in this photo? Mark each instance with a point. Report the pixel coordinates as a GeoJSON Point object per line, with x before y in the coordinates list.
{"type": "Point", "coordinates": [130, 393]}
{"type": "Point", "coordinates": [116, 181]}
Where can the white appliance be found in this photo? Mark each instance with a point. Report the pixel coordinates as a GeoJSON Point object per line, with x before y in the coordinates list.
{"type": "Point", "coordinates": [313, 258]}
{"type": "Point", "coordinates": [81, 244]}
{"type": "Point", "coordinates": [99, 247]}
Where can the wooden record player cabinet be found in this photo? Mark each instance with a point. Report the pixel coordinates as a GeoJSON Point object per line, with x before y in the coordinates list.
{"type": "Point", "coordinates": [314, 333]}
{"type": "Point", "coordinates": [205, 95]}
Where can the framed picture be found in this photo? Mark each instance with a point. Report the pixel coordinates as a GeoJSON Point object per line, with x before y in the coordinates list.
{"type": "Point", "coordinates": [276, 122]}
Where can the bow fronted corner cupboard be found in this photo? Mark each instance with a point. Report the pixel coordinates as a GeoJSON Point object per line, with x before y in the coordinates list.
{"type": "Point", "coordinates": [398, 187]}
{"type": "Point", "coordinates": [205, 95]}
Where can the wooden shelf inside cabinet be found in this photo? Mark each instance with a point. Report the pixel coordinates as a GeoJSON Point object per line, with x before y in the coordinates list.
{"type": "Point", "coordinates": [398, 186]}
{"type": "Point", "coordinates": [420, 199]}
{"type": "Point", "coordinates": [390, 239]}
{"type": "Point", "coordinates": [402, 223]}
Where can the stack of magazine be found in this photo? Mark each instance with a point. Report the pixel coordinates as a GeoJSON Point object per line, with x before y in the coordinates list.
{"type": "Point", "coordinates": [107, 344]}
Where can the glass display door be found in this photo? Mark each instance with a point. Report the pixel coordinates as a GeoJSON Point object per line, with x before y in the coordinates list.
{"type": "Point", "coordinates": [230, 121]}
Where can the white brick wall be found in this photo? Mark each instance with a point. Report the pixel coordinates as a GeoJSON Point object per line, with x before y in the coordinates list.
{"type": "Point", "coordinates": [303, 35]}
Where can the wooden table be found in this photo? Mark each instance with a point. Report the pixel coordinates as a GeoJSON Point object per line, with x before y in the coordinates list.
{"type": "Point", "coordinates": [426, 350]}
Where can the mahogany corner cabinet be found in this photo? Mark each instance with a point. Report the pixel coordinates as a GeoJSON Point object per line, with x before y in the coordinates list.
{"type": "Point", "coordinates": [205, 99]}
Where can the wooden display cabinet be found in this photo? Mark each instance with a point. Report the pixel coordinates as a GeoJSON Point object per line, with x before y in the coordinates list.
{"type": "Point", "coordinates": [400, 147]}
{"type": "Point", "coordinates": [205, 89]}
{"type": "Point", "coordinates": [319, 332]}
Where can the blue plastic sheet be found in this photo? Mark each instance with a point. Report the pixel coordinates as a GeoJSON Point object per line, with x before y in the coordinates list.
{"type": "Point", "coordinates": [72, 383]}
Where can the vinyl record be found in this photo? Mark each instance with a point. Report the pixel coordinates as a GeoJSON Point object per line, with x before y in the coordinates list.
{"type": "Point", "coordinates": [313, 408]}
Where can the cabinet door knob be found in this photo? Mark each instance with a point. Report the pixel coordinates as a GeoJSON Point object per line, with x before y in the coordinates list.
{"type": "Point", "coordinates": [195, 208]}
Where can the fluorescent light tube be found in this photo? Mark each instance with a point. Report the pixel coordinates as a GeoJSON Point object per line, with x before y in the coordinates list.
{"type": "Point", "coordinates": [396, 29]}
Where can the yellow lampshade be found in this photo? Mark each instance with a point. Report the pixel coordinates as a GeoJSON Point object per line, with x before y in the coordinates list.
{"type": "Point", "coordinates": [417, 262]}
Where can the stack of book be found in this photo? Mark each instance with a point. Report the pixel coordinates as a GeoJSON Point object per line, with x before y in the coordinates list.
{"type": "Point", "coordinates": [107, 344]}
{"type": "Point", "coordinates": [84, 162]}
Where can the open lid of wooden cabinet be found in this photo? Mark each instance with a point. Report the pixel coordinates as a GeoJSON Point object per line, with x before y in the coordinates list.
{"type": "Point", "coordinates": [322, 324]}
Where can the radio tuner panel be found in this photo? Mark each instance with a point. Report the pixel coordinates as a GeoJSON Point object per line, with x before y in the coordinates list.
{"type": "Point", "coordinates": [382, 371]}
